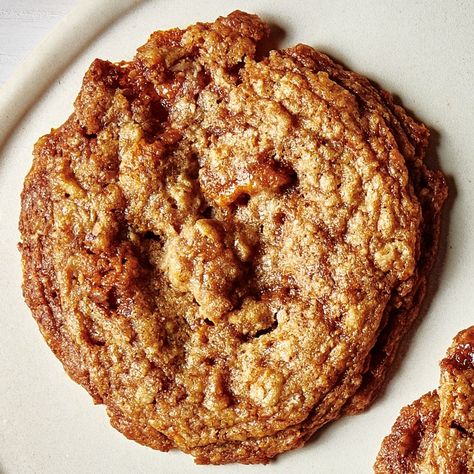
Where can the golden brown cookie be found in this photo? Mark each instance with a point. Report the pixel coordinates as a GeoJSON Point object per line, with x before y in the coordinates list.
{"type": "Point", "coordinates": [436, 433]}
{"type": "Point", "coordinates": [226, 251]}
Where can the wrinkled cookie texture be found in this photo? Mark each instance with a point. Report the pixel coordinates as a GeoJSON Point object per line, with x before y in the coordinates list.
{"type": "Point", "coordinates": [224, 247]}
{"type": "Point", "coordinates": [435, 434]}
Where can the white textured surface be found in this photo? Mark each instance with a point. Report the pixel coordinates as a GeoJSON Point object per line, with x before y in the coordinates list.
{"type": "Point", "coordinates": [23, 23]}
{"type": "Point", "coordinates": [420, 50]}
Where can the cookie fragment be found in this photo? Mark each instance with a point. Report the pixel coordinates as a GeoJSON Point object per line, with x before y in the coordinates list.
{"type": "Point", "coordinates": [436, 433]}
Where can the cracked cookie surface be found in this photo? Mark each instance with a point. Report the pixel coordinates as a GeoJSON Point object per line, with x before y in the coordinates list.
{"type": "Point", "coordinates": [226, 251]}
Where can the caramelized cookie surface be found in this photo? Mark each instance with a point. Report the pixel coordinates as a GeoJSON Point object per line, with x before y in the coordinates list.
{"type": "Point", "coordinates": [225, 251]}
{"type": "Point", "coordinates": [436, 433]}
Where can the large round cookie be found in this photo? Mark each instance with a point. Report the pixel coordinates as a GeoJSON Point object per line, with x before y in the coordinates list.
{"type": "Point", "coordinates": [435, 434]}
{"type": "Point", "coordinates": [226, 251]}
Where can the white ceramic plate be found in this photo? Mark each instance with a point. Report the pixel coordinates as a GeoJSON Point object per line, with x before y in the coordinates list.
{"type": "Point", "coordinates": [420, 50]}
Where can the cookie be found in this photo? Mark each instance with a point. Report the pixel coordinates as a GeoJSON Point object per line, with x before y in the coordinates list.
{"type": "Point", "coordinates": [224, 247]}
{"type": "Point", "coordinates": [436, 433]}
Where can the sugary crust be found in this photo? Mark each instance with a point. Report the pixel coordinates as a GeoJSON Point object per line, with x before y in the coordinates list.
{"type": "Point", "coordinates": [436, 433]}
{"type": "Point", "coordinates": [412, 434]}
{"type": "Point", "coordinates": [226, 252]}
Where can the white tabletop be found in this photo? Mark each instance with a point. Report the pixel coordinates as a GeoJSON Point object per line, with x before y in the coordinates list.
{"type": "Point", "coordinates": [23, 24]}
